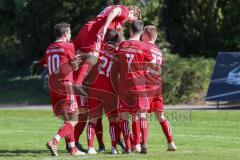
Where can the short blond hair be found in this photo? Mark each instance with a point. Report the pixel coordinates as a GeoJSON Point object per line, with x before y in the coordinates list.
{"type": "Point", "coordinates": [137, 11]}
{"type": "Point", "coordinates": [151, 31]}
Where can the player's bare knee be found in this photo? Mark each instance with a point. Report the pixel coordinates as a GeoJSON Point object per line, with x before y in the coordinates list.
{"type": "Point", "coordinates": [160, 116]}
{"type": "Point", "coordinates": [135, 117]}
{"type": "Point", "coordinates": [143, 115]}
{"type": "Point", "coordinates": [93, 57]}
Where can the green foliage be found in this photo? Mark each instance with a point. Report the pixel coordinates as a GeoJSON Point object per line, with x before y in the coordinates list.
{"type": "Point", "coordinates": [201, 27]}
{"type": "Point", "coordinates": [186, 80]}
{"type": "Point", "coordinates": [28, 25]}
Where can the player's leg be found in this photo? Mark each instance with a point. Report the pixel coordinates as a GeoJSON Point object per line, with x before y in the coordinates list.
{"type": "Point", "coordinates": [113, 131]}
{"type": "Point", "coordinates": [144, 131]}
{"type": "Point", "coordinates": [124, 122]}
{"type": "Point", "coordinates": [70, 137]}
{"type": "Point", "coordinates": [91, 131]}
{"type": "Point", "coordinates": [141, 123]}
{"type": "Point", "coordinates": [64, 107]}
{"type": "Point", "coordinates": [67, 128]}
{"type": "Point", "coordinates": [87, 65]}
{"type": "Point", "coordinates": [99, 135]}
{"type": "Point", "coordinates": [120, 136]}
{"type": "Point", "coordinates": [71, 145]}
{"type": "Point", "coordinates": [80, 126]}
{"type": "Point", "coordinates": [82, 120]}
{"type": "Point", "coordinates": [136, 132]}
{"type": "Point", "coordinates": [95, 111]}
{"type": "Point", "coordinates": [166, 128]}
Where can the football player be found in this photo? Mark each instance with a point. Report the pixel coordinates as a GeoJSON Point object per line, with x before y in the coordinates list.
{"type": "Point", "coordinates": [61, 62]}
{"type": "Point", "coordinates": [130, 67]}
{"type": "Point", "coordinates": [154, 81]}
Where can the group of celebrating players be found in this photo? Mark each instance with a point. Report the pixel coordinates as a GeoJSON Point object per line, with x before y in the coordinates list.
{"type": "Point", "coordinates": [98, 72]}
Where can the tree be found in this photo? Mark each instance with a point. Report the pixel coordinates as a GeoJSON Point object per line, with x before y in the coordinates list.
{"type": "Point", "coordinates": [192, 27]}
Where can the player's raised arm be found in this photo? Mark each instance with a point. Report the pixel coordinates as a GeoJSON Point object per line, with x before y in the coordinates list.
{"type": "Point", "coordinates": [113, 14]}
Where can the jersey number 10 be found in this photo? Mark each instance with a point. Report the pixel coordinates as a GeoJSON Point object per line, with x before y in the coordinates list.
{"type": "Point", "coordinates": [53, 64]}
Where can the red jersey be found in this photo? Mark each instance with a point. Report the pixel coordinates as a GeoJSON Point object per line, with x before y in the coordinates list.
{"type": "Point", "coordinates": [88, 38]}
{"type": "Point", "coordinates": [58, 56]}
{"type": "Point", "coordinates": [101, 71]}
{"type": "Point", "coordinates": [157, 58]}
{"type": "Point", "coordinates": [116, 23]}
{"type": "Point", "coordinates": [101, 95]}
{"type": "Point", "coordinates": [153, 75]}
{"type": "Point", "coordinates": [133, 58]}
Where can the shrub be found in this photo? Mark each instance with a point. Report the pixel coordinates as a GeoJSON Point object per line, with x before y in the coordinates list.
{"type": "Point", "coordinates": [186, 79]}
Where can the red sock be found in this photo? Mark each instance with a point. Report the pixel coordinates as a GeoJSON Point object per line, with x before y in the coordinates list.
{"type": "Point", "coordinates": [90, 134]}
{"type": "Point", "coordinates": [119, 130]}
{"type": "Point", "coordinates": [113, 131]}
{"type": "Point", "coordinates": [126, 134]}
{"type": "Point", "coordinates": [66, 129]}
{"type": "Point", "coordinates": [70, 140]}
{"type": "Point", "coordinates": [167, 130]}
{"type": "Point", "coordinates": [136, 132]}
{"type": "Point", "coordinates": [78, 129]}
{"type": "Point", "coordinates": [144, 130]}
{"type": "Point", "coordinates": [83, 71]}
{"type": "Point", "coordinates": [99, 131]}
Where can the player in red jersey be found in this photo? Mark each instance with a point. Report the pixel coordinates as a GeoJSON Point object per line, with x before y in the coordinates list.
{"type": "Point", "coordinates": [132, 59]}
{"type": "Point", "coordinates": [101, 95]}
{"type": "Point", "coordinates": [153, 79]}
{"type": "Point", "coordinates": [60, 57]}
{"type": "Point", "coordinates": [89, 39]}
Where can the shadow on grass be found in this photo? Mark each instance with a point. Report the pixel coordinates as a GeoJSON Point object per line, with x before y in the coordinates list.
{"type": "Point", "coordinates": [35, 153]}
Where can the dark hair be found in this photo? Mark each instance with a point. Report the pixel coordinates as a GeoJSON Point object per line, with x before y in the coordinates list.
{"type": "Point", "coordinates": [60, 29]}
{"type": "Point", "coordinates": [137, 26]}
{"type": "Point", "coordinates": [112, 36]}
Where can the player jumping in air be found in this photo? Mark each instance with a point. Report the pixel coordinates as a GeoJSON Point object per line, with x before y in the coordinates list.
{"type": "Point", "coordinates": [153, 80]}
{"type": "Point", "coordinates": [89, 39]}
{"type": "Point", "coordinates": [60, 57]}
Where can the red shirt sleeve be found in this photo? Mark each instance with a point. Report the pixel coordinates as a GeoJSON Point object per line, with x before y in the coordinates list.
{"type": "Point", "coordinates": [124, 12]}
{"type": "Point", "coordinates": [71, 51]}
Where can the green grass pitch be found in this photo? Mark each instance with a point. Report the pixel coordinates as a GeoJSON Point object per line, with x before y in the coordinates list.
{"type": "Point", "coordinates": [205, 135]}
